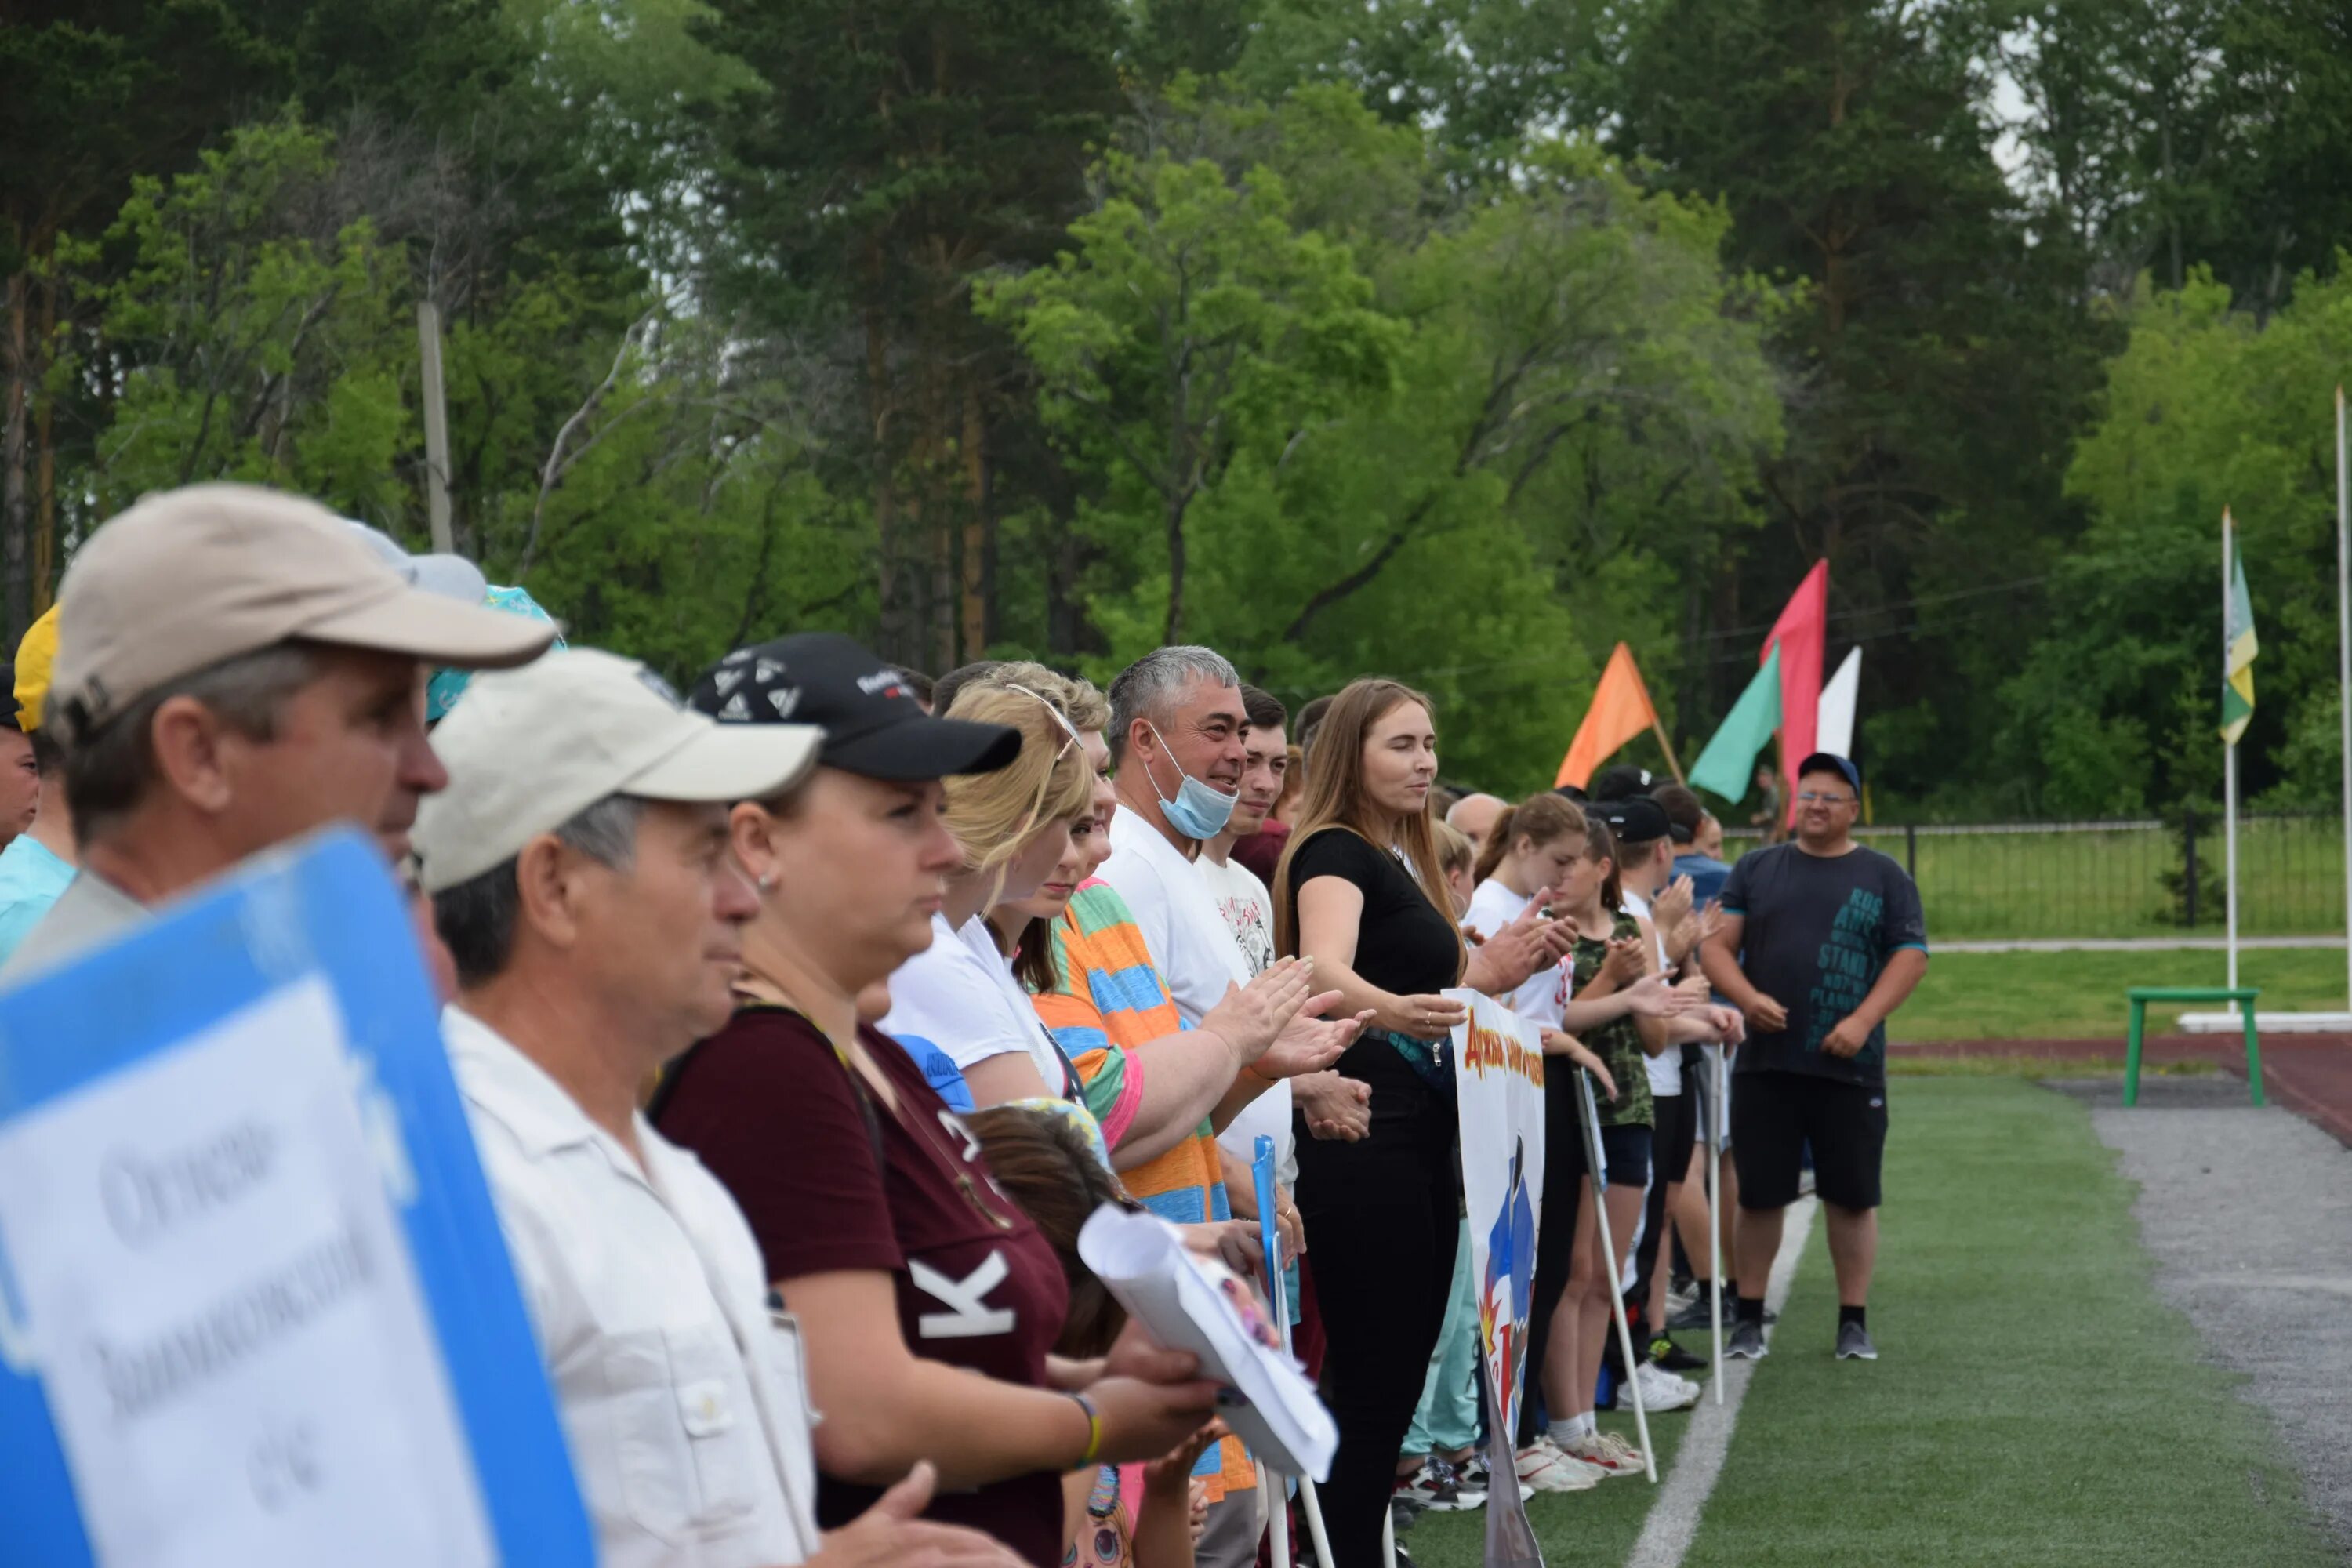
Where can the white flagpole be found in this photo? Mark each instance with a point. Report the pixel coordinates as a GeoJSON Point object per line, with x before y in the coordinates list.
{"type": "Point", "coordinates": [2343, 662]}
{"type": "Point", "coordinates": [2229, 777]}
{"type": "Point", "coordinates": [1596, 1161]}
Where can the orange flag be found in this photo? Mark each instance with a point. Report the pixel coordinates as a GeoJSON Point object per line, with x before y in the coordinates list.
{"type": "Point", "coordinates": [1621, 710]}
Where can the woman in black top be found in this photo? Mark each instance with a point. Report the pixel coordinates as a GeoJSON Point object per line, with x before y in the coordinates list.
{"type": "Point", "coordinates": [1361, 892]}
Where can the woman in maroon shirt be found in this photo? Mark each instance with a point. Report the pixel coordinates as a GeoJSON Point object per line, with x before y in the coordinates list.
{"type": "Point", "coordinates": [928, 1302]}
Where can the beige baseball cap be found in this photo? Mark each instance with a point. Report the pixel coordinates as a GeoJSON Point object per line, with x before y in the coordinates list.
{"type": "Point", "coordinates": [529, 749]}
{"type": "Point", "coordinates": [190, 577]}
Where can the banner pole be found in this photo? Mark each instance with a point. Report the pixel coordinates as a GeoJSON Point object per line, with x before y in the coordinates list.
{"type": "Point", "coordinates": [1278, 1509]}
{"type": "Point", "coordinates": [1716, 1109]}
{"type": "Point", "coordinates": [1593, 1163]}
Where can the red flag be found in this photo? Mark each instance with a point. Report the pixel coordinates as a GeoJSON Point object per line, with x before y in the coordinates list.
{"type": "Point", "coordinates": [1799, 633]}
{"type": "Point", "coordinates": [1621, 710]}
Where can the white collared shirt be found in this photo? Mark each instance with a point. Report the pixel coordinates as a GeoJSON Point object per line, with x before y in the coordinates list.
{"type": "Point", "coordinates": [684, 1399]}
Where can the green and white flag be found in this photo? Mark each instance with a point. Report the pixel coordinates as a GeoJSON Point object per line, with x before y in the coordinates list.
{"type": "Point", "coordinates": [2238, 650]}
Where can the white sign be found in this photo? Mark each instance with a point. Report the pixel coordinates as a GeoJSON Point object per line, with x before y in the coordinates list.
{"type": "Point", "coordinates": [214, 1291]}
{"type": "Point", "coordinates": [1197, 1304]}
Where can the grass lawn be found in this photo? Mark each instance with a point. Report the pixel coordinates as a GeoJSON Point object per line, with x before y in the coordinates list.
{"type": "Point", "coordinates": [2037, 1405]}
{"type": "Point", "coordinates": [2080, 995]}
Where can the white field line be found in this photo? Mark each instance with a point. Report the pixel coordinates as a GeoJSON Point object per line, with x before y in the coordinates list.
{"type": "Point", "coordinates": [1674, 1519]}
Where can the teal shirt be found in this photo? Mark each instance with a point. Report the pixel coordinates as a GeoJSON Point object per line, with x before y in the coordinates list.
{"type": "Point", "coordinates": [31, 877]}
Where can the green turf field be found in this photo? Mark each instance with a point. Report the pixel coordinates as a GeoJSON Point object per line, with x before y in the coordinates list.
{"type": "Point", "coordinates": [2080, 995]}
{"type": "Point", "coordinates": [2036, 1403]}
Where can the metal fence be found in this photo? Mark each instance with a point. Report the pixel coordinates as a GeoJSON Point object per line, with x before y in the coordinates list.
{"type": "Point", "coordinates": [2148, 877]}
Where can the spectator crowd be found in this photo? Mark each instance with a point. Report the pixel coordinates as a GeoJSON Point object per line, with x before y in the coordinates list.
{"type": "Point", "coordinates": [802, 1019]}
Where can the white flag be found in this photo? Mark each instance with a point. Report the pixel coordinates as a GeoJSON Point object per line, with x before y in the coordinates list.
{"type": "Point", "coordinates": [1833, 731]}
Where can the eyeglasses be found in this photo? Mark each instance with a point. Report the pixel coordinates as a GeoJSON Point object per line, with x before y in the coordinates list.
{"type": "Point", "coordinates": [1054, 711]}
{"type": "Point", "coordinates": [1815, 798]}
{"type": "Point", "coordinates": [1072, 738]}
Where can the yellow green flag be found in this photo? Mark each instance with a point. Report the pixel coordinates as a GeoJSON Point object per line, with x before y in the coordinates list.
{"type": "Point", "coordinates": [2238, 650]}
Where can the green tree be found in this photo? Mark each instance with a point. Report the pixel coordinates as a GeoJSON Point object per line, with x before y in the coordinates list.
{"type": "Point", "coordinates": [1388, 429]}
{"type": "Point", "coordinates": [892, 154]}
{"type": "Point", "coordinates": [1940, 359]}
{"type": "Point", "coordinates": [2116, 704]}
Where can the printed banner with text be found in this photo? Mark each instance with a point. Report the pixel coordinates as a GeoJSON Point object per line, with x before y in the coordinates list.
{"type": "Point", "coordinates": [1498, 1070]}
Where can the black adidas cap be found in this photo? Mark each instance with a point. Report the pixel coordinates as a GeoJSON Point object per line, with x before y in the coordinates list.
{"type": "Point", "coordinates": [1635, 819]}
{"type": "Point", "coordinates": [873, 721]}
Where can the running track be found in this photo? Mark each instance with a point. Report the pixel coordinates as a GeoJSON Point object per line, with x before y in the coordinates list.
{"type": "Point", "coordinates": [2310, 1075]}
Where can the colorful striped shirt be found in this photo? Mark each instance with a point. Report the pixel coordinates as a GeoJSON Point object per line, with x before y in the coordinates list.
{"type": "Point", "coordinates": [1110, 1000]}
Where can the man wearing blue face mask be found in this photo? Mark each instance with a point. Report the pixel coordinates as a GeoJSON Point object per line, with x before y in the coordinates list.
{"type": "Point", "coordinates": [1177, 741]}
{"type": "Point", "coordinates": [1176, 727]}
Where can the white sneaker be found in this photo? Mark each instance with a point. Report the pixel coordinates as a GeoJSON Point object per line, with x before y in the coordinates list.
{"type": "Point", "coordinates": [1662, 1390]}
{"type": "Point", "coordinates": [1546, 1466]}
{"type": "Point", "coordinates": [1606, 1452]}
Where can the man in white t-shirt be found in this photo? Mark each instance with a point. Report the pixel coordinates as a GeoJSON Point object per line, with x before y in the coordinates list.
{"type": "Point", "coordinates": [1177, 741]}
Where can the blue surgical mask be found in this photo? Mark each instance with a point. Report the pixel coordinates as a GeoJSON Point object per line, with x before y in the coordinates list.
{"type": "Point", "coordinates": [1197, 811]}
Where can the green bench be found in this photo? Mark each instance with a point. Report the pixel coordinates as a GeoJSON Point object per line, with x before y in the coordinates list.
{"type": "Point", "coordinates": [2141, 995]}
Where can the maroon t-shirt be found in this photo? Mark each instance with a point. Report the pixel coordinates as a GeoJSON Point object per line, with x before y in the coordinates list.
{"type": "Point", "coordinates": [770, 1107]}
{"type": "Point", "coordinates": [1262, 851]}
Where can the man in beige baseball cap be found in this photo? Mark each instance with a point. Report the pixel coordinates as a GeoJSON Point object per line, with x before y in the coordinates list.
{"type": "Point", "coordinates": [581, 879]}
{"type": "Point", "coordinates": [235, 667]}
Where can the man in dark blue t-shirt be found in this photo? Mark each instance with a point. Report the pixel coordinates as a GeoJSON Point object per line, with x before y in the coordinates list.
{"type": "Point", "coordinates": [1822, 939]}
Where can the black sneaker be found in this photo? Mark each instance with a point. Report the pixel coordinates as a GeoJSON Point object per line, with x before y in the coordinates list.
{"type": "Point", "coordinates": [1855, 1344]}
{"type": "Point", "coordinates": [1747, 1342]}
{"type": "Point", "coordinates": [1699, 1314]}
{"type": "Point", "coordinates": [1690, 1320]}
{"type": "Point", "coordinates": [1664, 1353]}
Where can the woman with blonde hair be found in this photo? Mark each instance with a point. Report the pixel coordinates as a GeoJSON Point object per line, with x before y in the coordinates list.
{"type": "Point", "coordinates": [1014, 824]}
{"type": "Point", "coordinates": [1361, 891]}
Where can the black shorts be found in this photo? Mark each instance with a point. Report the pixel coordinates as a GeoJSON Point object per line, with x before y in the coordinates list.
{"type": "Point", "coordinates": [1625, 1149]}
{"type": "Point", "coordinates": [1775, 1114]}
{"type": "Point", "coordinates": [1678, 1130]}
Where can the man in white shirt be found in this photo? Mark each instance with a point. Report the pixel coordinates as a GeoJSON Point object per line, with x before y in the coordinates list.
{"type": "Point", "coordinates": [1176, 741]}
{"type": "Point", "coordinates": [582, 879]}
{"type": "Point", "coordinates": [1177, 738]}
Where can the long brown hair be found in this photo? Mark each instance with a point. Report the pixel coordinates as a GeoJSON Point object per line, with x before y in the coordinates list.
{"type": "Point", "coordinates": [1600, 844]}
{"type": "Point", "coordinates": [1043, 1163]}
{"type": "Point", "coordinates": [1545, 819]}
{"type": "Point", "coordinates": [1336, 798]}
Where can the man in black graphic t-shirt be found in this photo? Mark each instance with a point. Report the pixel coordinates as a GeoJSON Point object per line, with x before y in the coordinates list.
{"type": "Point", "coordinates": [1822, 938]}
